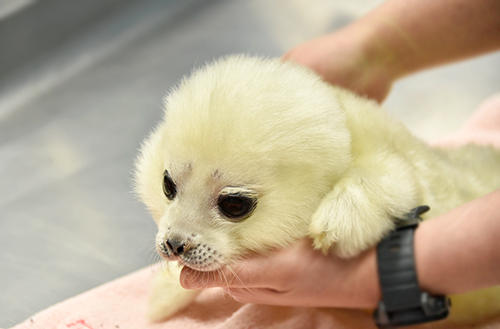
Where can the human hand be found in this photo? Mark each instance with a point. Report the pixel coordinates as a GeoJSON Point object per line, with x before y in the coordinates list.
{"type": "Point", "coordinates": [342, 58]}
{"type": "Point", "coordinates": [295, 276]}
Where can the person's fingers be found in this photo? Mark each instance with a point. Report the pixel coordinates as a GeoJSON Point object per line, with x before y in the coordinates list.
{"type": "Point", "coordinates": [247, 273]}
{"type": "Point", "coordinates": [192, 279]}
{"type": "Point", "coordinates": [260, 296]}
{"type": "Point", "coordinates": [286, 56]}
{"type": "Point", "coordinates": [224, 277]}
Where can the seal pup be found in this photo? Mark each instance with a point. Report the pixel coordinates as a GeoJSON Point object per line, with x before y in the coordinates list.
{"type": "Point", "coordinates": [254, 154]}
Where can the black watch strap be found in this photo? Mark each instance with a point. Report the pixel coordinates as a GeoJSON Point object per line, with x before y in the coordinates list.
{"type": "Point", "coordinates": [403, 302]}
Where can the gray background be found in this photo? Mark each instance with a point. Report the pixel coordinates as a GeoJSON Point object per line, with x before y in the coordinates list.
{"type": "Point", "coordinates": [81, 86]}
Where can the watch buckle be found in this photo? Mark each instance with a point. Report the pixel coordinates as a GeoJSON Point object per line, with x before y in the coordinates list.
{"type": "Point", "coordinates": [412, 218]}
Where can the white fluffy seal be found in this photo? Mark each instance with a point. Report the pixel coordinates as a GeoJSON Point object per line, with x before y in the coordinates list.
{"type": "Point", "coordinates": [256, 153]}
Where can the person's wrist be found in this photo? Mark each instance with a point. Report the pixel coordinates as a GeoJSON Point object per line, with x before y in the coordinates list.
{"type": "Point", "coordinates": [436, 254]}
{"type": "Point", "coordinates": [386, 46]}
{"type": "Point", "coordinates": [428, 272]}
{"type": "Point", "coordinates": [376, 72]}
{"type": "Point", "coordinates": [369, 281]}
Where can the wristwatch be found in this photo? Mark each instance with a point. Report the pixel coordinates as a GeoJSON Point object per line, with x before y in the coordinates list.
{"type": "Point", "coordinates": [403, 302]}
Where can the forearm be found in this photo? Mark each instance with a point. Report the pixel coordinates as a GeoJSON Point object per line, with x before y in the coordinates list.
{"type": "Point", "coordinates": [462, 246]}
{"type": "Point", "coordinates": [405, 36]}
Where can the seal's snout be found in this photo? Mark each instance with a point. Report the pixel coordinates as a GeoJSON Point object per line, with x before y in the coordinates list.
{"type": "Point", "coordinates": [177, 246]}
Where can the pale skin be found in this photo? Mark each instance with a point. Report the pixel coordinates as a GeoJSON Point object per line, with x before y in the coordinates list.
{"type": "Point", "coordinates": [399, 38]}
{"type": "Point", "coordinates": [396, 39]}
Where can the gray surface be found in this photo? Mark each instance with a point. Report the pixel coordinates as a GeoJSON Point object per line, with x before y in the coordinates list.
{"type": "Point", "coordinates": [42, 25]}
{"type": "Point", "coordinates": [70, 124]}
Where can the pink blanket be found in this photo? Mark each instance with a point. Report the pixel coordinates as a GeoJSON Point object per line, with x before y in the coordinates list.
{"type": "Point", "coordinates": [121, 304]}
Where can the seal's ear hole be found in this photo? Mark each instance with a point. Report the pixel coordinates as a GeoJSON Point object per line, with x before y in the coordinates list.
{"type": "Point", "coordinates": [169, 187]}
{"type": "Point", "coordinates": [236, 207]}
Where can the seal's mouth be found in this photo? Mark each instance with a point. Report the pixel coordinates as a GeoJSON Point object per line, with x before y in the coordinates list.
{"type": "Point", "coordinates": [207, 267]}
{"type": "Point", "coordinates": [192, 263]}
{"type": "Point", "coordinates": [199, 257]}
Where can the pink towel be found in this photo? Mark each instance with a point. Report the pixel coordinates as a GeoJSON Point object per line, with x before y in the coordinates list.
{"type": "Point", "coordinates": [121, 304]}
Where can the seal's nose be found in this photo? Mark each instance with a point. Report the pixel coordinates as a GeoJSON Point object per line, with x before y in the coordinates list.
{"type": "Point", "coordinates": [176, 245]}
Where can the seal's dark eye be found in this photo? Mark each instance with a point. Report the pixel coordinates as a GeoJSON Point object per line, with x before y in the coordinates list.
{"type": "Point", "coordinates": [169, 187]}
{"type": "Point", "coordinates": [236, 207]}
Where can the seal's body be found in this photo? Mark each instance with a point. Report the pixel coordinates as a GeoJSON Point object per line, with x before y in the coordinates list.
{"type": "Point", "coordinates": [256, 153]}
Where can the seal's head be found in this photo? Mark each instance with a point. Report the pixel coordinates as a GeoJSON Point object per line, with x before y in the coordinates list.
{"type": "Point", "coordinates": [245, 152]}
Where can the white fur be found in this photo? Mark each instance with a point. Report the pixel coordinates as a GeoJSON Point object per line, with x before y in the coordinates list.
{"type": "Point", "coordinates": [323, 162]}
{"type": "Point", "coordinates": [168, 296]}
